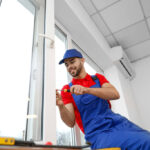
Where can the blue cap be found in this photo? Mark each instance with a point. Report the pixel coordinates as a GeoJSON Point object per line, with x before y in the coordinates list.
{"type": "Point", "coordinates": [71, 53]}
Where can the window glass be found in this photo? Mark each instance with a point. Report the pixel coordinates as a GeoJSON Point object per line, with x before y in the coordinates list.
{"type": "Point", "coordinates": [16, 34]}
{"type": "Point", "coordinates": [89, 69]}
{"type": "Point", "coordinates": [34, 126]}
{"type": "Point", "coordinates": [64, 136]}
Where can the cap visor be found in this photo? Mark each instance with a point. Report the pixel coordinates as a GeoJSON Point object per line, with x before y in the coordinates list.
{"type": "Point", "coordinates": [61, 62]}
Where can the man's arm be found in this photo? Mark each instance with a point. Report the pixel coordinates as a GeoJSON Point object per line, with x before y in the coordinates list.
{"type": "Point", "coordinates": [107, 91]}
{"type": "Point", "coordinates": [66, 111]}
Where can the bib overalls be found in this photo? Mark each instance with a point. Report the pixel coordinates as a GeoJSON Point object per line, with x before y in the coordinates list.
{"type": "Point", "coordinates": [103, 128]}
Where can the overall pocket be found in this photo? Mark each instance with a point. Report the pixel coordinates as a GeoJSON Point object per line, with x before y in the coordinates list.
{"type": "Point", "coordinates": [90, 103]}
{"type": "Point", "coordinates": [88, 98]}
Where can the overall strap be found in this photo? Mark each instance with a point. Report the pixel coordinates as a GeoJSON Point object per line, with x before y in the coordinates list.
{"type": "Point", "coordinates": [70, 84]}
{"type": "Point", "coordinates": [95, 79]}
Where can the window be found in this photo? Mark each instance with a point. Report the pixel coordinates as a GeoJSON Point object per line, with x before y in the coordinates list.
{"type": "Point", "coordinates": [34, 125]}
{"type": "Point", "coordinates": [16, 34]}
{"type": "Point", "coordinates": [64, 133]}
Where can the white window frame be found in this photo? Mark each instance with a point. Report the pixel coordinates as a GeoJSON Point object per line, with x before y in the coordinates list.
{"type": "Point", "coordinates": [49, 116]}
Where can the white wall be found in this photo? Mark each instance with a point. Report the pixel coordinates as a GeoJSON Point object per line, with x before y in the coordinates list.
{"type": "Point", "coordinates": [141, 90]}
{"type": "Point", "coordinates": [129, 99]}
{"type": "Point", "coordinates": [118, 106]}
{"type": "Point", "coordinates": [126, 105]}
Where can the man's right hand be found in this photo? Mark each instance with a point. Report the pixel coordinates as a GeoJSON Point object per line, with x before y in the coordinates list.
{"type": "Point", "coordinates": [66, 111]}
{"type": "Point", "coordinates": [59, 101]}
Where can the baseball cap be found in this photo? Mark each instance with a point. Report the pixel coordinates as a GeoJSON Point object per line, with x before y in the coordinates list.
{"type": "Point", "coordinates": [71, 53]}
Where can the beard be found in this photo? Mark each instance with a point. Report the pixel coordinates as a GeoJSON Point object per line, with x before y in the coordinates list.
{"type": "Point", "coordinates": [77, 71]}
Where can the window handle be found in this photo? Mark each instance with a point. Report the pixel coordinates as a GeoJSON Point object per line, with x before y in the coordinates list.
{"type": "Point", "coordinates": [48, 37]}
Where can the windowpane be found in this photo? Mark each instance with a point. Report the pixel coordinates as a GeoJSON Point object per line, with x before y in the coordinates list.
{"type": "Point", "coordinates": [89, 69]}
{"type": "Point", "coordinates": [16, 34]}
{"type": "Point", "coordinates": [64, 136]}
{"type": "Point", "coordinates": [34, 130]}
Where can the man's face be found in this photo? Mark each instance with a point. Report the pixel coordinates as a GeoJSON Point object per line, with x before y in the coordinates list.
{"type": "Point", "coordinates": [74, 66]}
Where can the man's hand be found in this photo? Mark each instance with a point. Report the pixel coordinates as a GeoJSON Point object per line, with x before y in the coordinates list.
{"type": "Point", "coordinates": [66, 111]}
{"type": "Point", "coordinates": [59, 101]}
{"type": "Point", "coordinates": [78, 89]}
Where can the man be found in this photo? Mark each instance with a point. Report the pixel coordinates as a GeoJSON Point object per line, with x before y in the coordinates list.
{"type": "Point", "coordinates": [87, 104]}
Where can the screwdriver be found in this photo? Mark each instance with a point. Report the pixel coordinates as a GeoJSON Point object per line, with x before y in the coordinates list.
{"type": "Point", "coordinates": [65, 90]}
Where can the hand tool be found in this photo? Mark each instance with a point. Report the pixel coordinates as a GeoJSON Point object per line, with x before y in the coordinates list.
{"type": "Point", "coordinates": [65, 90]}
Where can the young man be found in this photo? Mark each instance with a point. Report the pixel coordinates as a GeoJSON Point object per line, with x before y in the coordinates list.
{"type": "Point", "coordinates": [87, 104]}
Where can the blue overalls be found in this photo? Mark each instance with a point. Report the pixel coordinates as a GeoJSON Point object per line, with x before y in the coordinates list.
{"type": "Point", "coordinates": [103, 128]}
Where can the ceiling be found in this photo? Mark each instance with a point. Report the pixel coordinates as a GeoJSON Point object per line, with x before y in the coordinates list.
{"type": "Point", "coordinates": [123, 22]}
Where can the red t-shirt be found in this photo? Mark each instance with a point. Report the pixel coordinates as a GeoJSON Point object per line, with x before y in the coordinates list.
{"type": "Point", "coordinates": [86, 82]}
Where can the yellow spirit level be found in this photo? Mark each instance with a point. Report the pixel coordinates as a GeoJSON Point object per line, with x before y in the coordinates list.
{"type": "Point", "coordinates": [7, 141]}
